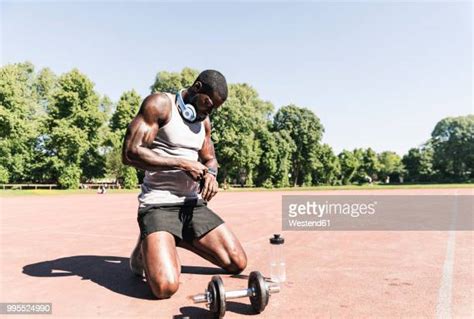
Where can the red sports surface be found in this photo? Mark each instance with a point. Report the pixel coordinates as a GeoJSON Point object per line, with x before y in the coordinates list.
{"type": "Point", "coordinates": [72, 251]}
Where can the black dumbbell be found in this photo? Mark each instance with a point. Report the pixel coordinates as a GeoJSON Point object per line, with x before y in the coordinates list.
{"type": "Point", "coordinates": [258, 292]}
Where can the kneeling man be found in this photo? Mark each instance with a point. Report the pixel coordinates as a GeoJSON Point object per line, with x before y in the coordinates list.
{"type": "Point", "coordinates": [170, 138]}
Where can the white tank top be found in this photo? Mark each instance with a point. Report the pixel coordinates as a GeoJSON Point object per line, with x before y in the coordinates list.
{"type": "Point", "coordinates": [178, 139]}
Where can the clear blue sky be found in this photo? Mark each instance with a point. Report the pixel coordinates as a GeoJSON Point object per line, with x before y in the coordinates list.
{"type": "Point", "coordinates": [378, 74]}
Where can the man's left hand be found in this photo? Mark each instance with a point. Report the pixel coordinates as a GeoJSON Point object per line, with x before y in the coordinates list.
{"type": "Point", "coordinates": [209, 187]}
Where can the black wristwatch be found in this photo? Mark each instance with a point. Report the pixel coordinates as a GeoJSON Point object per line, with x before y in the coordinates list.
{"type": "Point", "coordinates": [212, 171]}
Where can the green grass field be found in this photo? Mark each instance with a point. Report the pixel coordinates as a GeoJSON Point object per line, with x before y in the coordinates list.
{"type": "Point", "coordinates": [355, 187]}
{"type": "Point", "coordinates": [46, 192]}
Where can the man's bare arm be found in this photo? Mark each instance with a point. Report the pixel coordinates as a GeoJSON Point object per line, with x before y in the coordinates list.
{"type": "Point", "coordinates": [154, 111]}
{"type": "Point", "coordinates": [207, 156]}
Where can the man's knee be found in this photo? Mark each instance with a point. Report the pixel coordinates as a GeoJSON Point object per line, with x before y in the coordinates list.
{"type": "Point", "coordinates": [237, 261]}
{"type": "Point", "coordinates": [163, 285]}
{"type": "Point", "coordinates": [163, 288]}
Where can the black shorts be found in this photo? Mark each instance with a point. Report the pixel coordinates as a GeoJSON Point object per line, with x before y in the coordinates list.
{"type": "Point", "coordinates": [185, 221]}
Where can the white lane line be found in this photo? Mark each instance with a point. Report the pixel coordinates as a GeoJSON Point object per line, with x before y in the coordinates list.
{"type": "Point", "coordinates": [443, 307]}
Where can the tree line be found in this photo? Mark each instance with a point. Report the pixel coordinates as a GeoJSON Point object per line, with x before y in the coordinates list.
{"type": "Point", "coordinates": [58, 129]}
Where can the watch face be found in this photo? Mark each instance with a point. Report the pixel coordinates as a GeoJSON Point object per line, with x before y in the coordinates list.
{"type": "Point", "coordinates": [212, 171]}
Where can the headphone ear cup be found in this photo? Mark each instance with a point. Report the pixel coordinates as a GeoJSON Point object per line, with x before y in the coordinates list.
{"type": "Point", "coordinates": [189, 113]}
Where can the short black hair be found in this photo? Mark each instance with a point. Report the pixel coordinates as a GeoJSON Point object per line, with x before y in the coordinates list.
{"type": "Point", "coordinates": [213, 81]}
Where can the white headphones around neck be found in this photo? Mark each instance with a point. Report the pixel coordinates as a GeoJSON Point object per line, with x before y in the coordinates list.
{"type": "Point", "coordinates": [188, 112]}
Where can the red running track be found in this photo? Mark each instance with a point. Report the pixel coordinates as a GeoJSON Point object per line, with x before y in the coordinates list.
{"type": "Point", "coordinates": [73, 251]}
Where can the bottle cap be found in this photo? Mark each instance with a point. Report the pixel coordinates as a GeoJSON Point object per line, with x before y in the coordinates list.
{"type": "Point", "coordinates": [277, 240]}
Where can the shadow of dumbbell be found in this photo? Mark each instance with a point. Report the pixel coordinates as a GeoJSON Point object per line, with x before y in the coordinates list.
{"type": "Point", "coordinates": [240, 308]}
{"type": "Point", "coordinates": [200, 313]}
{"type": "Point", "coordinates": [192, 313]}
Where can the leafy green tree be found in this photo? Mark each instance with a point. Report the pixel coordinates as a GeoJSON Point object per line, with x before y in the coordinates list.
{"type": "Point", "coordinates": [275, 161]}
{"type": "Point", "coordinates": [71, 136]}
{"type": "Point", "coordinates": [106, 106]}
{"type": "Point", "coordinates": [114, 165]}
{"type": "Point", "coordinates": [4, 175]}
{"type": "Point", "coordinates": [129, 177]}
{"type": "Point", "coordinates": [418, 163]}
{"type": "Point", "coordinates": [306, 131]}
{"type": "Point", "coordinates": [106, 136]}
{"type": "Point", "coordinates": [127, 108]}
{"type": "Point", "coordinates": [350, 163]}
{"type": "Point", "coordinates": [326, 166]}
{"type": "Point", "coordinates": [390, 166]}
{"type": "Point", "coordinates": [267, 166]}
{"type": "Point", "coordinates": [286, 148]}
{"type": "Point", "coordinates": [65, 147]}
{"type": "Point", "coordinates": [19, 110]}
{"type": "Point", "coordinates": [453, 148]}
{"type": "Point", "coordinates": [247, 95]}
{"type": "Point", "coordinates": [237, 124]}
{"type": "Point", "coordinates": [173, 81]}
{"type": "Point", "coordinates": [70, 177]}
{"type": "Point", "coordinates": [46, 83]}
{"type": "Point", "coordinates": [369, 165]}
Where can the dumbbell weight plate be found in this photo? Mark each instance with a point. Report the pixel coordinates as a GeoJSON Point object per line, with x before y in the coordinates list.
{"type": "Point", "coordinates": [217, 291]}
{"type": "Point", "coordinates": [260, 300]}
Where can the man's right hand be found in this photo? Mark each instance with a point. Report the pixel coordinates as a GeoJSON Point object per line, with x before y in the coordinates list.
{"type": "Point", "coordinates": [194, 169]}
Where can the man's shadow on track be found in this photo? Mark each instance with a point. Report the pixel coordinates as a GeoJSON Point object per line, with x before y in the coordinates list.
{"type": "Point", "coordinates": [110, 272]}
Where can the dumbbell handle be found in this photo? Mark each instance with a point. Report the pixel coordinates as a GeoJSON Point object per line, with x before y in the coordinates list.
{"type": "Point", "coordinates": [249, 292]}
{"type": "Point", "coordinates": [201, 298]}
{"type": "Point", "coordinates": [234, 294]}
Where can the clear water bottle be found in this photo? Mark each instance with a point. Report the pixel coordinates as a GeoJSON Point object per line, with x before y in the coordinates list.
{"type": "Point", "coordinates": [277, 259]}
